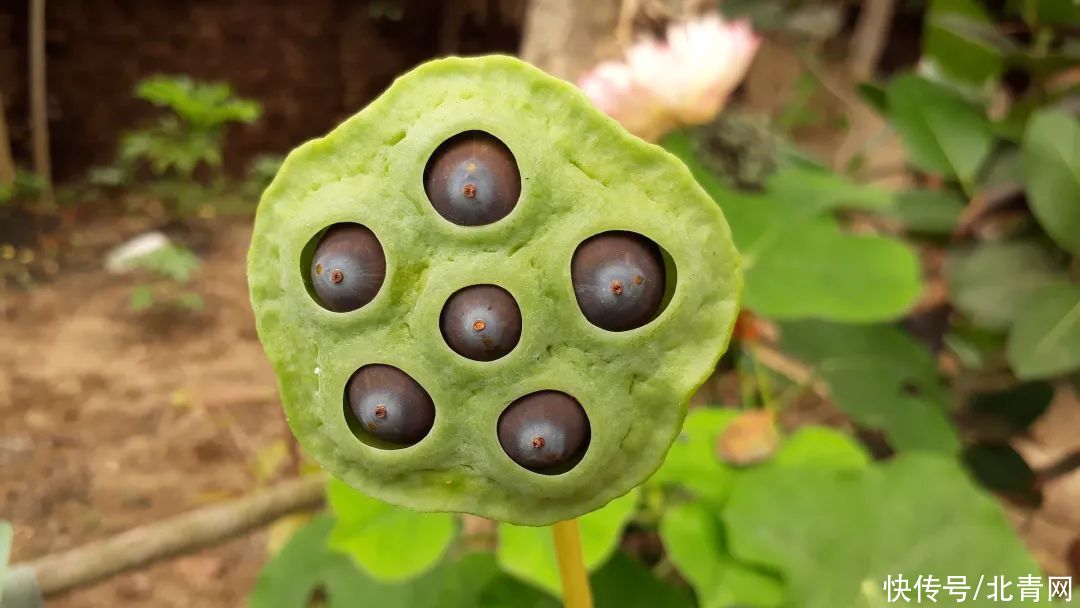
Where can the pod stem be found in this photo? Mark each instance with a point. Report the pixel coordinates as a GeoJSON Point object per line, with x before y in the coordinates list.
{"type": "Point", "coordinates": [575, 580]}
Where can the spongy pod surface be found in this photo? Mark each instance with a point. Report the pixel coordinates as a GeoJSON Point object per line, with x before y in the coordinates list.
{"type": "Point", "coordinates": [581, 175]}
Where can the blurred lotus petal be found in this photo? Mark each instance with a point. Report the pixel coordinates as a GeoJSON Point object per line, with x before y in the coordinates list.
{"type": "Point", "coordinates": [612, 87]}
{"type": "Point", "coordinates": [684, 79]}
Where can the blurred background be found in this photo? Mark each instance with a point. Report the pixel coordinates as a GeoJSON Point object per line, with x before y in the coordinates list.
{"type": "Point", "coordinates": [911, 167]}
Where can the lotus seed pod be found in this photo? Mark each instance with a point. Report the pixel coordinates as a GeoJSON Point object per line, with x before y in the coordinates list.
{"type": "Point", "coordinates": [486, 172]}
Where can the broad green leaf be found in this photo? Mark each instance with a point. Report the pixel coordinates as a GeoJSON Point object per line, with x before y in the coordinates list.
{"type": "Point", "coordinates": [1051, 160]}
{"type": "Point", "coordinates": [834, 536]}
{"type": "Point", "coordinates": [695, 542]}
{"type": "Point", "coordinates": [692, 462]}
{"type": "Point", "coordinates": [620, 583]}
{"type": "Point", "coordinates": [508, 592]}
{"type": "Point", "coordinates": [528, 553]}
{"type": "Point", "coordinates": [306, 567]}
{"type": "Point", "coordinates": [992, 282]}
{"type": "Point", "coordinates": [1045, 340]}
{"type": "Point", "coordinates": [693, 535]}
{"type": "Point", "coordinates": [817, 271]}
{"type": "Point", "coordinates": [624, 583]}
{"type": "Point", "coordinates": [881, 378]}
{"type": "Point", "coordinates": [926, 211]}
{"type": "Point", "coordinates": [942, 132]}
{"type": "Point", "coordinates": [797, 262]}
{"type": "Point", "coordinates": [5, 552]}
{"type": "Point", "coordinates": [820, 190]}
{"type": "Point", "coordinates": [820, 447]}
{"type": "Point", "coordinates": [173, 262]}
{"type": "Point", "coordinates": [391, 543]}
{"type": "Point", "coordinates": [1050, 12]}
{"type": "Point", "coordinates": [960, 39]}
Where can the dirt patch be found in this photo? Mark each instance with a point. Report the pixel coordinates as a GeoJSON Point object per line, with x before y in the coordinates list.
{"type": "Point", "coordinates": [109, 419]}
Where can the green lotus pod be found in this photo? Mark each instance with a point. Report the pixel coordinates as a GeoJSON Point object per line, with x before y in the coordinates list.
{"type": "Point", "coordinates": [580, 175]}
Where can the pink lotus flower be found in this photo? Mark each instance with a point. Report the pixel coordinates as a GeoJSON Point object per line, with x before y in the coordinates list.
{"type": "Point", "coordinates": [682, 80]}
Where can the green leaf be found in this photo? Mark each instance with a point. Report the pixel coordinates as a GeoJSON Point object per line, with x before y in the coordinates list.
{"type": "Point", "coordinates": [624, 583]}
{"type": "Point", "coordinates": [881, 378]}
{"type": "Point", "coordinates": [834, 536]}
{"type": "Point", "coordinates": [141, 298]}
{"type": "Point", "coordinates": [391, 543]}
{"type": "Point", "coordinates": [173, 262]}
{"type": "Point", "coordinates": [796, 261]}
{"type": "Point", "coordinates": [817, 271]}
{"type": "Point", "coordinates": [1050, 12]}
{"type": "Point", "coordinates": [620, 583]}
{"type": "Point", "coordinates": [305, 567]}
{"type": "Point", "coordinates": [201, 104]}
{"type": "Point", "coordinates": [692, 533]}
{"type": "Point", "coordinates": [508, 592]}
{"type": "Point", "coordinates": [5, 552]}
{"type": "Point", "coordinates": [528, 553]}
{"type": "Point", "coordinates": [960, 39]}
{"type": "Point", "coordinates": [942, 132]}
{"type": "Point", "coordinates": [821, 447]}
{"type": "Point", "coordinates": [692, 462]}
{"type": "Point", "coordinates": [696, 543]}
{"type": "Point", "coordinates": [976, 347]}
{"type": "Point", "coordinates": [992, 282]}
{"type": "Point", "coordinates": [819, 190]}
{"type": "Point", "coordinates": [1051, 161]}
{"type": "Point", "coordinates": [1045, 340]}
{"type": "Point", "coordinates": [926, 211]}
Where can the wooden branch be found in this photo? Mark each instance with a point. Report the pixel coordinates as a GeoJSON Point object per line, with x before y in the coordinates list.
{"type": "Point", "coordinates": [39, 118]}
{"type": "Point", "coordinates": [7, 164]}
{"type": "Point", "coordinates": [188, 532]}
{"type": "Point", "coordinates": [793, 370]}
{"type": "Point", "coordinates": [868, 40]}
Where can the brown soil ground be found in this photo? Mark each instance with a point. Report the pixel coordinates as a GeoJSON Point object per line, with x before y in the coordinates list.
{"type": "Point", "coordinates": [111, 419]}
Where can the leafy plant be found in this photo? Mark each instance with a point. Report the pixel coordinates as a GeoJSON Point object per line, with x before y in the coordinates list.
{"type": "Point", "coordinates": [192, 133]}
{"type": "Point", "coordinates": [188, 137]}
{"type": "Point", "coordinates": [171, 267]}
{"type": "Point", "coordinates": [27, 185]}
{"type": "Point", "coordinates": [728, 531]}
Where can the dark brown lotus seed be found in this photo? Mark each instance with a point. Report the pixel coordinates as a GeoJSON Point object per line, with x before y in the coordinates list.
{"type": "Point", "coordinates": [482, 322]}
{"type": "Point", "coordinates": [390, 405]}
{"type": "Point", "coordinates": [545, 432]}
{"type": "Point", "coordinates": [348, 267]}
{"type": "Point", "coordinates": [618, 280]}
{"type": "Point", "coordinates": [472, 179]}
